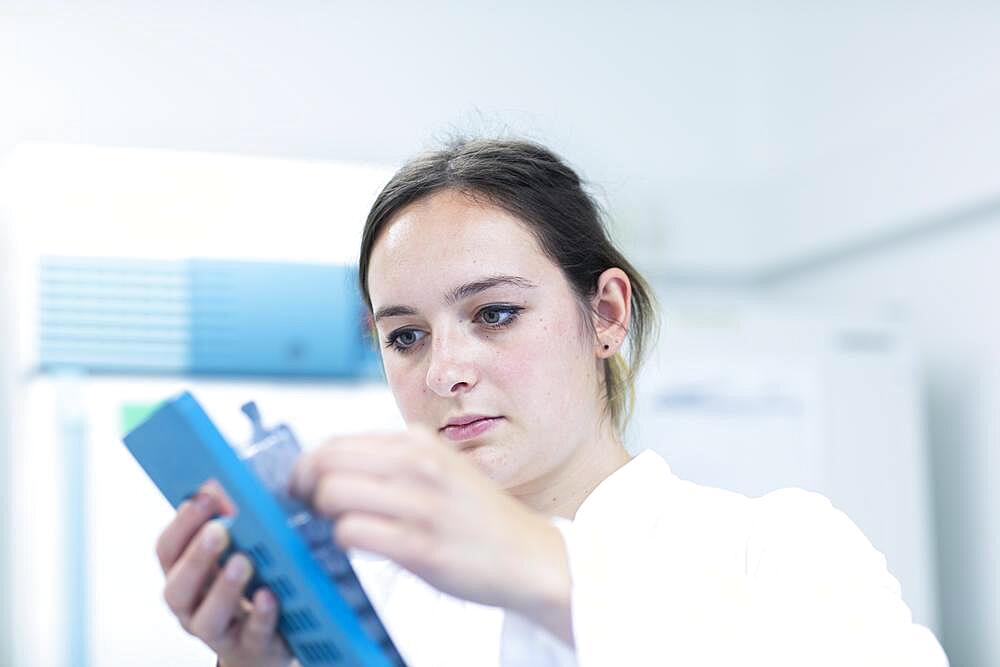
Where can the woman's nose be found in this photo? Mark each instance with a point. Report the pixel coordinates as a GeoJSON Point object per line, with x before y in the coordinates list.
{"type": "Point", "coordinates": [451, 368]}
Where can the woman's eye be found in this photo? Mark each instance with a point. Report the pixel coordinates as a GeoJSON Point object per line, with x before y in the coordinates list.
{"type": "Point", "coordinates": [403, 340]}
{"type": "Point", "coordinates": [494, 317]}
{"type": "Point", "coordinates": [498, 316]}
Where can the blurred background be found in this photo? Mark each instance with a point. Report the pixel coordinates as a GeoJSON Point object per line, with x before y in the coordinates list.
{"type": "Point", "coordinates": [812, 188]}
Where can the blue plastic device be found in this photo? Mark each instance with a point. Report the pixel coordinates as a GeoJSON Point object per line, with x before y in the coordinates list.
{"type": "Point", "coordinates": [180, 449]}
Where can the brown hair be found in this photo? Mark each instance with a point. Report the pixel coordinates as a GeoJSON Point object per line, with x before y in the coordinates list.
{"type": "Point", "coordinates": [533, 184]}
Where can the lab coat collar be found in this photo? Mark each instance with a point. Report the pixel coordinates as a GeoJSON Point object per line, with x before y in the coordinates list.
{"type": "Point", "coordinates": [632, 484]}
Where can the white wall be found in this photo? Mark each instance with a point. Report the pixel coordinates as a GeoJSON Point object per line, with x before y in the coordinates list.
{"type": "Point", "coordinates": [6, 381]}
{"type": "Point", "coordinates": [949, 285]}
{"type": "Point", "coordinates": [713, 127]}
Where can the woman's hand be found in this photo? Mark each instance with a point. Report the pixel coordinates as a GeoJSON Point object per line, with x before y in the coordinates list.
{"type": "Point", "coordinates": [208, 600]}
{"type": "Point", "coordinates": [411, 498]}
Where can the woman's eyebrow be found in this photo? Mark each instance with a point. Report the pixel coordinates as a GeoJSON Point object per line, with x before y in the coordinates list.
{"type": "Point", "coordinates": [475, 287]}
{"type": "Point", "coordinates": [459, 293]}
{"type": "Point", "coordinates": [393, 311]}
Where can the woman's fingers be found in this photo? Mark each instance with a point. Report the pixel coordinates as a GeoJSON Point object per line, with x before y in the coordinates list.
{"type": "Point", "coordinates": [188, 577]}
{"type": "Point", "coordinates": [405, 455]}
{"type": "Point", "coordinates": [208, 600]}
{"type": "Point", "coordinates": [260, 624]}
{"type": "Point", "coordinates": [214, 617]}
{"type": "Point", "coordinates": [210, 501]}
{"type": "Point", "coordinates": [343, 454]}
{"type": "Point", "coordinates": [404, 501]}
{"type": "Point", "coordinates": [191, 516]}
{"type": "Point", "coordinates": [406, 544]}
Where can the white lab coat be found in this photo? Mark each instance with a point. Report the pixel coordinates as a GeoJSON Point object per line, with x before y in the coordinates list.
{"type": "Point", "coordinates": [667, 572]}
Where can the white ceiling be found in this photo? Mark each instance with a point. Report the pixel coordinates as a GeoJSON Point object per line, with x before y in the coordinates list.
{"type": "Point", "coordinates": [726, 138]}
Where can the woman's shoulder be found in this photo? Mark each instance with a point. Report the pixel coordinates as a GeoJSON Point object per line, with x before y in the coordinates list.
{"type": "Point", "coordinates": [788, 527]}
{"type": "Point", "coordinates": [799, 531]}
{"type": "Point", "coordinates": [646, 490]}
{"type": "Point", "coordinates": [648, 475]}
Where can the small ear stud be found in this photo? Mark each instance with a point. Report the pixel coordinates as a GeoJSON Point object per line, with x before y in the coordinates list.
{"type": "Point", "coordinates": [607, 347]}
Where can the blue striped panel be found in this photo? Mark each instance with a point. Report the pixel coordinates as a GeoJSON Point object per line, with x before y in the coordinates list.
{"type": "Point", "coordinates": [203, 317]}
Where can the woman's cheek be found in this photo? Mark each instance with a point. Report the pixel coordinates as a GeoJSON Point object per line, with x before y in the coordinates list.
{"type": "Point", "coordinates": [409, 389]}
{"type": "Point", "coordinates": [539, 363]}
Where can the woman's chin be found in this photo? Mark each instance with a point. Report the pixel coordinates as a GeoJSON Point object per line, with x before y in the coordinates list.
{"type": "Point", "coordinates": [490, 457]}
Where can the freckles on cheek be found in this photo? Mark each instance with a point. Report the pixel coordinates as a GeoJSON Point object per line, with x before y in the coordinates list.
{"type": "Point", "coordinates": [544, 362]}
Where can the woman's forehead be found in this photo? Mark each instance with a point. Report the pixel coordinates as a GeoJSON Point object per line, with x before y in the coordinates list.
{"type": "Point", "coordinates": [449, 239]}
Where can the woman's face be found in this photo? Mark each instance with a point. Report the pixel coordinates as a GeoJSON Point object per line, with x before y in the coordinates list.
{"type": "Point", "coordinates": [477, 325]}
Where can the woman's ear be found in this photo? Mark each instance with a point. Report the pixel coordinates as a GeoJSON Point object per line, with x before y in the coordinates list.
{"type": "Point", "coordinates": [611, 310]}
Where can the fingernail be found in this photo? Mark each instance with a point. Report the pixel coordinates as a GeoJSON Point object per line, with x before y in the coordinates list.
{"type": "Point", "coordinates": [212, 537]}
{"type": "Point", "coordinates": [265, 602]}
{"type": "Point", "coordinates": [237, 569]}
{"type": "Point", "coordinates": [204, 502]}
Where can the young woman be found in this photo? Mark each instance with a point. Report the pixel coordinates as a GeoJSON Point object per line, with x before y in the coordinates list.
{"type": "Point", "coordinates": [508, 525]}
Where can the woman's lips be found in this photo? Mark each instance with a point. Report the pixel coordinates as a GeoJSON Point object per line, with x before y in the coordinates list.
{"type": "Point", "coordinates": [470, 430]}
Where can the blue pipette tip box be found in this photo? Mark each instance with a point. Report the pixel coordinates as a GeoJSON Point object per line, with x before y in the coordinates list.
{"type": "Point", "coordinates": [180, 449]}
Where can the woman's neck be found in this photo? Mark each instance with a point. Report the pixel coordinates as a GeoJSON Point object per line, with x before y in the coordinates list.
{"type": "Point", "coordinates": [563, 490]}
